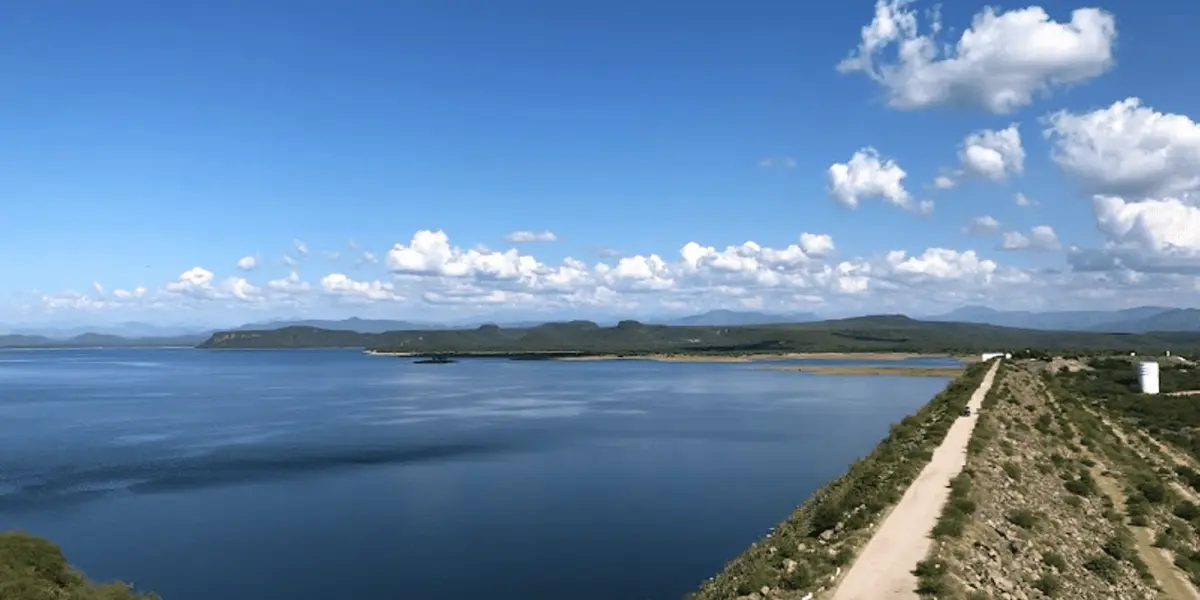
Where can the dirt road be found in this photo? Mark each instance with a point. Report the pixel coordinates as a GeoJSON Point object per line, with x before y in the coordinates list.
{"type": "Point", "coordinates": [883, 570]}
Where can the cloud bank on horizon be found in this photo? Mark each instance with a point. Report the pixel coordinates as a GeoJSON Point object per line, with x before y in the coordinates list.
{"type": "Point", "coordinates": [1127, 171]}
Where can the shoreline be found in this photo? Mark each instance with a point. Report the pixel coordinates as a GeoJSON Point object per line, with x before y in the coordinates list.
{"type": "Point", "coordinates": [672, 357]}
{"type": "Point", "coordinates": [903, 371]}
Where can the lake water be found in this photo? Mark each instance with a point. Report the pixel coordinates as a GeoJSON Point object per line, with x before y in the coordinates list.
{"type": "Point", "coordinates": [311, 475]}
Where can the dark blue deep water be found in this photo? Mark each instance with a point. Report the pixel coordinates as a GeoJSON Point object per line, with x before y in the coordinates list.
{"type": "Point", "coordinates": [311, 475]}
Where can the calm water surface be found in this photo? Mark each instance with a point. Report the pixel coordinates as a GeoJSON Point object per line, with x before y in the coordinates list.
{"type": "Point", "coordinates": [311, 475]}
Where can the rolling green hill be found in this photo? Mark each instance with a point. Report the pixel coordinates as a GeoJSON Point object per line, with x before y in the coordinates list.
{"type": "Point", "coordinates": [882, 333]}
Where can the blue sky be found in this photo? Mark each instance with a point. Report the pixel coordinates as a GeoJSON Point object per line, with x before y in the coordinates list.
{"type": "Point", "coordinates": [142, 140]}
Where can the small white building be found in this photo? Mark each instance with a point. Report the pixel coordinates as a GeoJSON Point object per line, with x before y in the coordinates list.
{"type": "Point", "coordinates": [990, 355]}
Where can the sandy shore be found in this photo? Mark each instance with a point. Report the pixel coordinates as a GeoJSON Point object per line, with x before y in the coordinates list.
{"type": "Point", "coordinates": [755, 357]}
{"type": "Point", "coordinates": [874, 370]}
{"type": "Point", "coordinates": [883, 570]}
{"type": "Point", "coordinates": [666, 357]}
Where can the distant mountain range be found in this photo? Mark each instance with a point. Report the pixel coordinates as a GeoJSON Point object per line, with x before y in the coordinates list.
{"type": "Point", "coordinates": [97, 340]}
{"type": "Point", "coordinates": [1131, 320]}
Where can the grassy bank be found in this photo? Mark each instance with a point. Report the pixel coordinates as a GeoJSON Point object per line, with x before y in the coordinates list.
{"type": "Point", "coordinates": [32, 568]}
{"type": "Point", "coordinates": [806, 550]}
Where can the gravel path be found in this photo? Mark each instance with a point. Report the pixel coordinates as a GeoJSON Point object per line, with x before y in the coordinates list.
{"type": "Point", "coordinates": [883, 570]}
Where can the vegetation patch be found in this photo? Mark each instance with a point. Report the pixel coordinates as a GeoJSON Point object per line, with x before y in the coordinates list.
{"type": "Point", "coordinates": [32, 568]}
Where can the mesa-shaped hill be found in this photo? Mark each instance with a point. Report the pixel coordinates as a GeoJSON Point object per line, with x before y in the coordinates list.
{"type": "Point", "coordinates": [878, 333]}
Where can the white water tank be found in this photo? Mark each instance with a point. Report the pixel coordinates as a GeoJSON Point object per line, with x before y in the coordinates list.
{"type": "Point", "coordinates": [1148, 377]}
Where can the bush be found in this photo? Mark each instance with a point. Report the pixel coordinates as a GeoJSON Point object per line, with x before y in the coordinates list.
{"type": "Point", "coordinates": [1153, 491]}
{"type": "Point", "coordinates": [1054, 559]}
{"type": "Point", "coordinates": [931, 578]}
{"type": "Point", "coordinates": [959, 506]}
{"type": "Point", "coordinates": [1104, 566]}
{"type": "Point", "coordinates": [1049, 584]}
{"type": "Point", "coordinates": [1023, 518]}
{"type": "Point", "coordinates": [1187, 510]}
{"type": "Point", "coordinates": [1012, 470]}
{"type": "Point", "coordinates": [1119, 547]}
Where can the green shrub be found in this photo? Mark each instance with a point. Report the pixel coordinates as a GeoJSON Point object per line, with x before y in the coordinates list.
{"type": "Point", "coordinates": [1023, 518]}
{"type": "Point", "coordinates": [1049, 584]}
{"type": "Point", "coordinates": [1012, 470]}
{"type": "Point", "coordinates": [1054, 559]}
{"type": "Point", "coordinates": [931, 578]}
{"type": "Point", "coordinates": [1153, 491]}
{"type": "Point", "coordinates": [1187, 510]}
{"type": "Point", "coordinates": [1104, 566]}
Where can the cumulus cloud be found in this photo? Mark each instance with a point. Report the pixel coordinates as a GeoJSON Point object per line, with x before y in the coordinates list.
{"type": "Point", "coordinates": [1041, 237]}
{"type": "Point", "coordinates": [198, 282]}
{"type": "Point", "coordinates": [866, 175]}
{"type": "Point", "coordinates": [247, 263]}
{"type": "Point", "coordinates": [301, 247]}
{"type": "Point", "coordinates": [816, 244]}
{"type": "Point", "coordinates": [518, 237]}
{"type": "Point", "coordinates": [290, 284]}
{"type": "Point", "coordinates": [136, 292]}
{"type": "Point", "coordinates": [429, 274]}
{"type": "Point", "coordinates": [1153, 235]}
{"type": "Point", "coordinates": [1127, 149]}
{"type": "Point", "coordinates": [342, 285]}
{"type": "Point", "coordinates": [987, 154]}
{"type": "Point", "coordinates": [982, 225]}
{"type": "Point", "coordinates": [993, 154]}
{"type": "Point", "coordinates": [998, 64]}
{"type": "Point", "coordinates": [1023, 200]}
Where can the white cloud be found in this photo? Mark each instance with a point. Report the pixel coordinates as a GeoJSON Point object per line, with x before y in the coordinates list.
{"type": "Point", "coordinates": [1023, 200]}
{"type": "Point", "coordinates": [1153, 236]}
{"type": "Point", "coordinates": [982, 225]}
{"type": "Point", "coordinates": [531, 236]}
{"type": "Point", "coordinates": [331, 255]}
{"type": "Point", "coordinates": [433, 277]}
{"type": "Point", "coordinates": [247, 263]}
{"type": "Point", "coordinates": [943, 182]}
{"type": "Point", "coordinates": [199, 283]}
{"type": "Point", "coordinates": [816, 244]}
{"type": "Point", "coordinates": [289, 261]}
{"type": "Point", "coordinates": [993, 154]}
{"type": "Point", "coordinates": [998, 64]}
{"type": "Point", "coordinates": [1128, 150]}
{"type": "Point", "coordinates": [137, 292]}
{"type": "Point", "coordinates": [866, 176]}
{"type": "Point", "coordinates": [301, 247]}
{"type": "Point", "coordinates": [99, 288]}
{"type": "Point", "coordinates": [1041, 237]}
{"type": "Point", "coordinates": [289, 285]}
{"type": "Point", "coordinates": [340, 284]}
{"type": "Point", "coordinates": [785, 163]}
